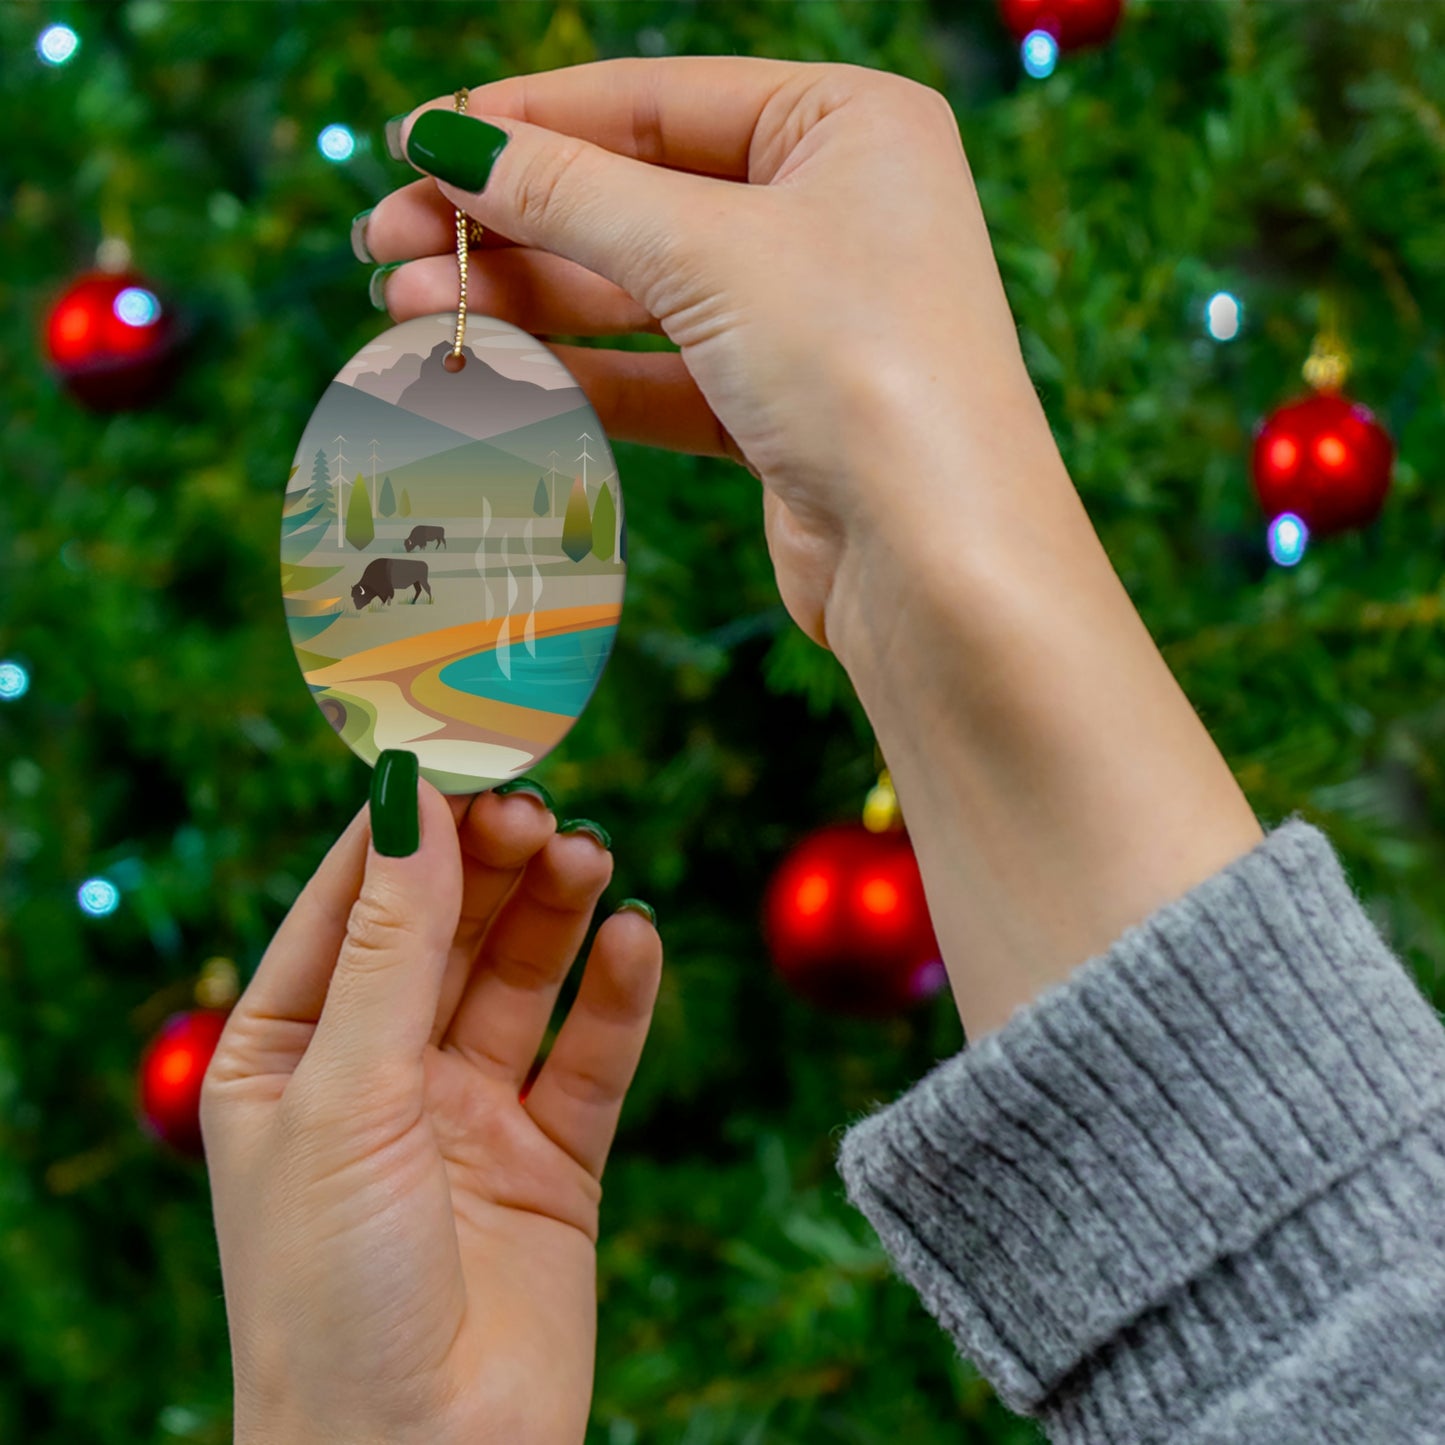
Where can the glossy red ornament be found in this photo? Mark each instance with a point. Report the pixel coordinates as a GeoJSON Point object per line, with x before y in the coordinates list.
{"type": "Point", "coordinates": [111, 340]}
{"type": "Point", "coordinates": [171, 1071]}
{"type": "Point", "coordinates": [847, 923]}
{"type": "Point", "coordinates": [1326, 459]}
{"type": "Point", "coordinates": [1073, 23]}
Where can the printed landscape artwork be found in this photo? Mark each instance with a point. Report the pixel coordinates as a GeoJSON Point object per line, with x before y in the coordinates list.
{"type": "Point", "coordinates": [453, 551]}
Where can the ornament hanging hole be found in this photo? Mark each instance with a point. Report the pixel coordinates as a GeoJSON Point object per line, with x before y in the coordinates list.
{"type": "Point", "coordinates": [454, 361]}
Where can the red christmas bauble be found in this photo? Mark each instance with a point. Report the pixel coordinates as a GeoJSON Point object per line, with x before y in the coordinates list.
{"type": "Point", "coordinates": [111, 340]}
{"type": "Point", "coordinates": [171, 1071]}
{"type": "Point", "coordinates": [847, 923]}
{"type": "Point", "coordinates": [1073, 23]}
{"type": "Point", "coordinates": [1326, 459]}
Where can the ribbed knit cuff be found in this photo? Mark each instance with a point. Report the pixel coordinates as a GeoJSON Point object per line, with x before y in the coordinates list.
{"type": "Point", "coordinates": [1173, 1126]}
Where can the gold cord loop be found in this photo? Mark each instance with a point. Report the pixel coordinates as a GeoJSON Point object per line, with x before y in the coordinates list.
{"type": "Point", "coordinates": [467, 230]}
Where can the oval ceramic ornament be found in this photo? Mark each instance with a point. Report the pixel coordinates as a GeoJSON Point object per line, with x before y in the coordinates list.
{"type": "Point", "coordinates": [453, 554]}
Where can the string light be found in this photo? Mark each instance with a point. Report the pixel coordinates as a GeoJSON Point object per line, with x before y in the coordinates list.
{"type": "Point", "coordinates": [1223, 316]}
{"type": "Point", "coordinates": [1288, 538]}
{"type": "Point", "coordinates": [1040, 53]}
{"type": "Point", "coordinates": [14, 681]}
{"type": "Point", "coordinates": [137, 307]}
{"type": "Point", "coordinates": [336, 143]}
{"type": "Point", "coordinates": [98, 897]}
{"type": "Point", "coordinates": [57, 44]}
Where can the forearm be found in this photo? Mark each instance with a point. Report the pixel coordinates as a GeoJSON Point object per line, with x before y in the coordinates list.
{"type": "Point", "coordinates": [1057, 784]}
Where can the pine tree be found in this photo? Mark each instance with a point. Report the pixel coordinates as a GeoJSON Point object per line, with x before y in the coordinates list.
{"type": "Point", "coordinates": [387, 505]}
{"type": "Point", "coordinates": [539, 499]}
{"type": "Point", "coordinates": [1274, 151]}
{"type": "Point", "coordinates": [320, 480]}
{"type": "Point", "coordinates": [577, 525]}
{"type": "Point", "coordinates": [604, 524]}
{"type": "Point", "coordinates": [360, 527]}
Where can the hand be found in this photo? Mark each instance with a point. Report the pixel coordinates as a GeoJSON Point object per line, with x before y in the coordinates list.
{"type": "Point", "coordinates": [843, 330]}
{"type": "Point", "coordinates": [407, 1248]}
{"type": "Point", "coordinates": [843, 308]}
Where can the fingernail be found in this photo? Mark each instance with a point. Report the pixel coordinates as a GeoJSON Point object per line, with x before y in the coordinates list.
{"type": "Point", "coordinates": [586, 825]}
{"type": "Point", "coordinates": [636, 905]}
{"type": "Point", "coordinates": [376, 288]}
{"type": "Point", "coordinates": [393, 137]}
{"type": "Point", "coordinates": [359, 248]}
{"type": "Point", "coordinates": [395, 813]}
{"type": "Point", "coordinates": [458, 149]}
{"type": "Point", "coordinates": [527, 785]}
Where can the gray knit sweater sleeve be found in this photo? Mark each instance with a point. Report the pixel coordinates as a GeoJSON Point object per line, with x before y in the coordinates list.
{"type": "Point", "coordinates": [1196, 1192]}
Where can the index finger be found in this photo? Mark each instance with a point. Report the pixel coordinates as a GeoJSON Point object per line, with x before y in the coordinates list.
{"type": "Point", "coordinates": [696, 113]}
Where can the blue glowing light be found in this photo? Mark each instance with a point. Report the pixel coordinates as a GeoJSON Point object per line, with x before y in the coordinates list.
{"type": "Point", "coordinates": [137, 307]}
{"type": "Point", "coordinates": [336, 143]}
{"type": "Point", "coordinates": [1288, 538]}
{"type": "Point", "coordinates": [57, 44]}
{"type": "Point", "coordinates": [98, 897]}
{"type": "Point", "coordinates": [1040, 54]}
{"type": "Point", "coordinates": [14, 681]}
{"type": "Point", "coordinates": [1223, 316]}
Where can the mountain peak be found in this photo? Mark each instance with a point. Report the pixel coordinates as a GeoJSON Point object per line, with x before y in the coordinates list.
{"type": "Point", "coordinates": [478, 400]}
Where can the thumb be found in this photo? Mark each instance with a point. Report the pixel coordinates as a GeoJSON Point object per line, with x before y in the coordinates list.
{"type": "Point", "coordinates": [624, 219]}
{"type": "Point", "coordinates": [382, 999]}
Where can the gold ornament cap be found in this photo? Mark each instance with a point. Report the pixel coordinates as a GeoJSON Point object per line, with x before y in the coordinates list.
{"type": "Point", "coordinates": [880, 809]}
{"type": "Point", "coordinates": [219, 985]}
{"type": "Point", "coordinates": [1328, 365]}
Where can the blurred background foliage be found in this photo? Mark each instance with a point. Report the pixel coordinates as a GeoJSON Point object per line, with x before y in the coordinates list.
{"type": "Point", "coordinates": [1288, 153]}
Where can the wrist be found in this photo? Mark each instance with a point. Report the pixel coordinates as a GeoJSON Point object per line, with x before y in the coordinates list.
{"type": "Point", "coordinates": [1056, 782]}
{"type": "Point", "coordinates": [951, 499]}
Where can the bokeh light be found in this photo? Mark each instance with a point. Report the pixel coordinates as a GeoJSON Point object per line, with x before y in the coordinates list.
{"type": "Point", "coordinates": [57, 44]}
{"type": "Point", "coordinates": [137, 307]}
{"type": "Point", "coordinates": [1223, 316]}
{"type": "Point", "coordinates": [336, 143]}
{"type": "Point", "coordinates": [1288, 538]}
{"type": "Point", "coordinates": [98, 897]}
{"type": "Point", "coordinates": [14, 681]}
{"type": "Point", "coordinates": [879, 897]}
{"type": "Point", "coordinates": [812, 895]}
{"type": "Point", "coordinates": [1040, 54]}
{"type": "Point", "coordinates": [1282, 455]}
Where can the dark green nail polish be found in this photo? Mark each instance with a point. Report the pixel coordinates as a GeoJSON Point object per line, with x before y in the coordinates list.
{"type": "Point", "coordinates": [636, 905]}
{"type": "Point", "coordinates": [393, 136]}
{"type": "Point", "coordinates": [455, 148]}
{"type": "Point", "coordinates": [359, 248]}
{"type": "Point", "coordinates": [376, 288]}
{"type": "Point", "coordinates": [526, 785]}
{"type": "Point", "coordinates": [395, 814]}
{"type": "Point", "coordinates": [586, 825]}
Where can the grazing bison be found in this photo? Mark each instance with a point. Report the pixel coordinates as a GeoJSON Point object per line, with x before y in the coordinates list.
{"type": "Point", "coordinates": [420, 536]}
{"type": "Point", "coordinates": [388, 575]}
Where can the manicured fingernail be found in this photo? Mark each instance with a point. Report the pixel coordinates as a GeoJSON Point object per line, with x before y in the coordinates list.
{"type": "Point", "coordinates": [586, 825]}
{"type": "Point", "coordinates": [395, 812]}
{"type": "Point", "coordinates": [636, 905]}
{"type": "Point", "coordinates": [458, 149]}
{"type": "Point", "coordinates": [359, 248]}
{"type": "Point", "coordinates": [376, 289]}
{"type": "Point", "coordinates": [393, 137]}
{"type": "Point", "coordinates": [527, 785]}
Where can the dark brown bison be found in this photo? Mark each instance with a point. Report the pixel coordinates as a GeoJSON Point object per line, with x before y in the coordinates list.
{"type": "Point", "coordinates": [420, 536]}
{"type": "Point", "coordinates": [388, 575]}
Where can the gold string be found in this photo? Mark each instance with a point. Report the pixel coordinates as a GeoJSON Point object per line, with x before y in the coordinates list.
{"type": "Point", "coordinates": [456, 360]}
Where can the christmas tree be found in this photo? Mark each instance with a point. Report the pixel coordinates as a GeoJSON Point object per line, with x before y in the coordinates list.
{"type": "Point", "coordinates": [155, 733]}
